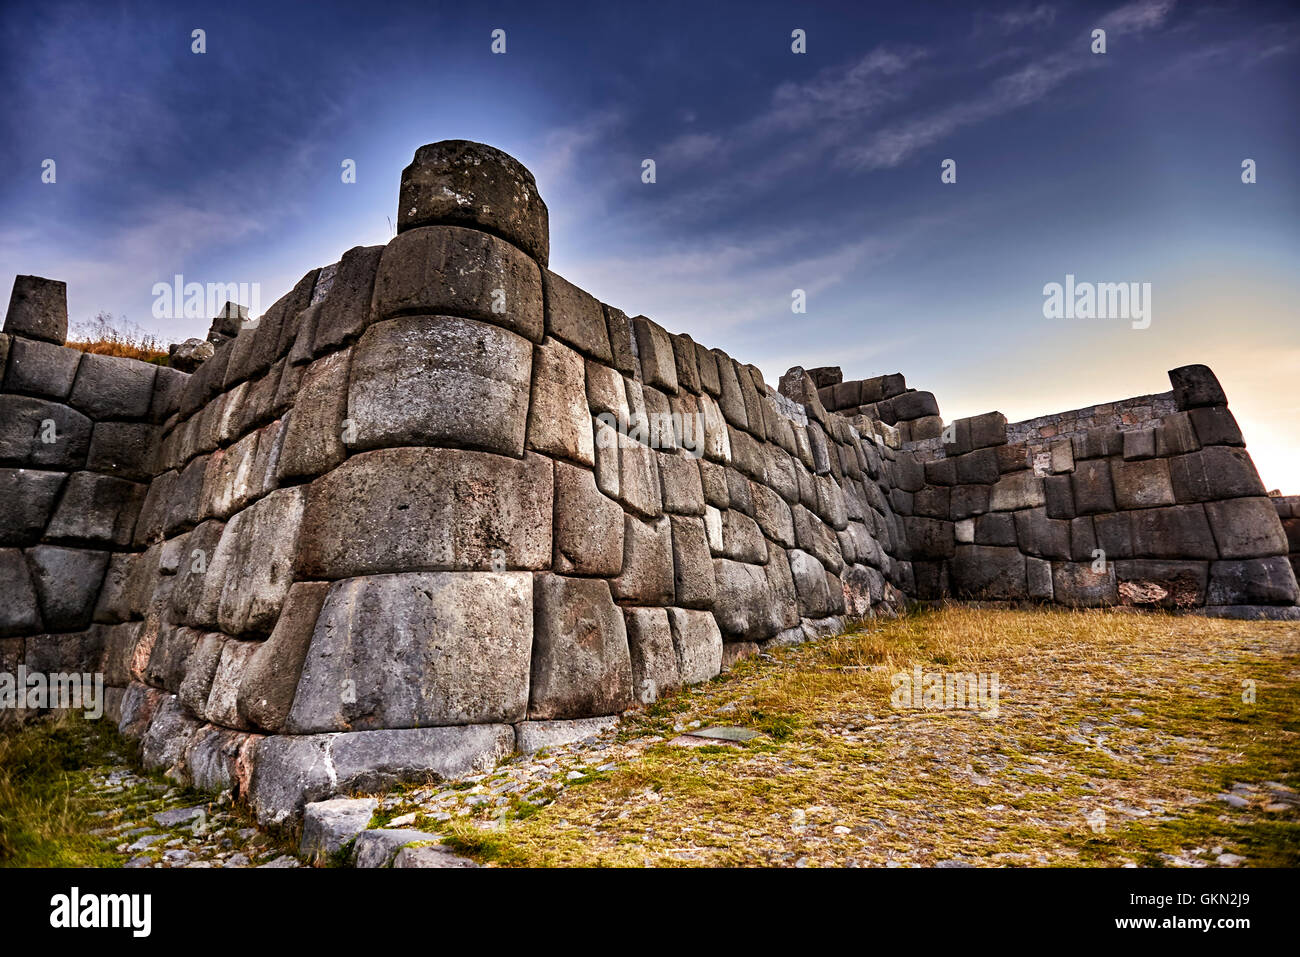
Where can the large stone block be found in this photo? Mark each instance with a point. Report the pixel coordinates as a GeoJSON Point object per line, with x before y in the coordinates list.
{"type": "Point", "coordinates": [742, 605]}
{"type": "Point", "coordinates": [270, 679]}
{"type": "Point", "coordinates": [40, 368]}
{"type": "Point", "coordinates": [1077, 584]}
{"type": "Point", "coordinates": [810, 585]}
{"type": "Point", "coordinates": [588, 526]}
{"type": "Point", "coordinates": [989, 573]}
{"type": "Point", "coordinates": [124, 449]}
{"type": "Point", "coordinates": [20, 611]}
{"type": "Point", "coordinates": [1196, 386]}
{"type": "Point", "coordinates": [1218, 471]}
{"type": "Point", "coordinates": [28, 497]}
{"type": "Point", "coordinates": [451, 271]}
{"type": "Point", "coordinates": [1260, 581]}
{"type": "Point", "coordinates": [259, 570]}
{"type": "Point", "coordinates": [1163, 584]}
{"type": "Point", "coordinates": [404, 651]}
{"type": "Point", "coordinates": [647, 577]}
{"type": "Point", "coordinates": [1041, 536]}
{"type": "Point", "coordinates": [97, 508]}
{"type": "Point", "coordinates": [200, 668]}
{"type": "Point", "coordinates": [109, 387]}
{"type": "Point", "coordinates": [314, 430]}
{"type": "Point", "coordinates": [439, 380]}
{"type": "Point", "coordinates": [395, 510]}
{"type": "Point", "coordinates": [683, 492]}
{"type": "Point", "coordinates": [347, 308]}
{"type": "Point", "coordinates": [36, 433]}
{"type": "Point", "coordinates": [1142, 484]}
{"type": "Point", "coordinates": [67, 583]}
{"type": "Point", "coordinates": [1017, 490]}
{"type": "Point", "coordinates": [222, 704]}
{"type": "Point", "coordinates": [472, 184]}
{"type": "Point", "coordinates": [657, 358]}
{"type": "Point", "coordinates": [1177, 531]}
{"type": "Point", "coordinates": [620, 340]}
{"type": "Point", "coordinates": [1093, 489]}
{"type": "Point", "coordinates": [576, 317]}
{"type": "Point", "coordinates": [697, 643]}
{"type": "Point", "coordinates": [654, 657]}
{"type": "Point", "coordinates": [1215, 425]}
{"type": "Point", "coordinates": [692, 563]}
{"type": "Point", "coordinates": [1246, 528]}
{"type": "Point", "coordinates": [581, 666]}
{"type": "Point", "coordinates": [38, 309]}
{"type": "Point", "coordinates": [559, 420]}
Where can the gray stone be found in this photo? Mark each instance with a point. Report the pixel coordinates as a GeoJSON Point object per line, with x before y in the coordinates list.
{"type": "Point", "coordinates": [1175, 435]}
{"type": "Point", "coordinates": [19, 612]}
{"type": "Point", "coordinates": [170, 655]}
{"type": "Point", "coordinates": [346, 310]}
{"type": "Point", "coordinates": [67, 583]}
{"type": "Point", "coordinates": [379, 847]}
{"type": "Point", "coordinates": [1017, 490]}
{"type": "Point", "coordinates": [29, 496]}
{"type": "Point", "coordinates": [576, 317]}
{"type": "Point", "coordinates": [1260, 581]}
{"type": "Point", "coordinates": [1097, 442]}
{"type": "Point", "coordinates": [654, 658]}
{"type": "Point", "coordinates": [164, 745]}
{"type": "Point", "coordinates": [313, 431]}
{"type": "Point", "coordinates": [1139, 444]}
{"type": "Point", "coordinates": [581, 666]}
{"type": "Point", "coordinates": [588, 526]}
{"type": "Point", "coordinates": [1215, 425]}
{"type": "Point", "coordinates": [697, 642]}
{"type": "Point", "coordinates": [40, 368]}
{"type": "Point", "coordinates": [440, 380]}
{"type": "Point", "coordinates": [429, 856]}
{"type": "Point", "coordinates": [683, 493]}
{"type": "Point", "coordinates": [1216, 472]}
{"type": "Point", "coordinates": [402, 651]}
{"type": "Point", "coordinates": [810, 584]}
{"type": "Point", "coordinates": [692, 563]}
{"type": "Point", "coordinates": [915, 405]}
{"type": "Point", "coordinates": [329, 826]}
{"type": "Point", "coordinates": [1165, 584]}
{"type": "Point", "coordinates": [742, 600]}
{"type": "Point", "coordinates": [1041, 536]}
{"type": "Point", "coordinates": [533, 736]}
{"type": "Point", "coordinates": [262, 540]}
{"type": "Point", "coordinates": [989, 429]}
{"type": "Point", "coordinates": [559, 420]}
{"type": "Point", "coordinates": [222, 706]}
{"type": "Point", "coordinates": [123, 449]}
{"type": "Point", "coordinates": [1196, 386]}
{"type": "Point", "coordinates": [109, 387]}
{"type": "Point", "coordinates": [1077, 584]}
{"type": "Point", "coordinates": [1142, 484]}
{"type": "Point", "coordinates": [968, 500]}
{"type": "Point", "coordinates": [38, 309]}
{"type": "Point", "coordinates": [1245, 528]}
{"type": "Point", "coordinates": [1038, 576]}
{"type": "Point", "coordinates": [989, 573]}
{"type": "Point", "coordinates": [379, 512]}
{"type": "Point", "coordinates": [647, 575]}
{"type": "Point", "coordinates": [471, 184]}
{"type": "Point", "coordinates": [187, 356]}
{"type": "Point", "coordinates": [270, 678]}
{"type": "Point", "coordinates": [1178, 531]}
{"type": "Point", "coordinates": [36, 433]}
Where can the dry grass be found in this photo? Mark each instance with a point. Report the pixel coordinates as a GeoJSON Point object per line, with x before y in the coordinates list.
{"type": "Point", "coordinates": [107, 336]}
{"type": "Point", "coordinates": [1140, 717]}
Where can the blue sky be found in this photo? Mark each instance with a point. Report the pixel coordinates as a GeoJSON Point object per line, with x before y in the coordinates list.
{"type": "Point", "coordinates": [775, 171]}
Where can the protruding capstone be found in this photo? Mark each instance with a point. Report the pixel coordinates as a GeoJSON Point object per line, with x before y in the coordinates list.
{"type": "Point", "coordinates": [38, 309]}
{"type": "Point", "coordinates": [1196, 387]}
{"type": "Point", "coordinates": [461, 183]}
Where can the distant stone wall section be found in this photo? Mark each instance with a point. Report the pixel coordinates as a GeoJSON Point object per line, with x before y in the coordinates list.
{"type": "Point", "coordinates": [439, 502]}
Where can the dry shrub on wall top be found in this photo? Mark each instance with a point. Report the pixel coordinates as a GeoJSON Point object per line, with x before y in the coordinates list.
{"type": "Point", "coordinates": [106, 335]}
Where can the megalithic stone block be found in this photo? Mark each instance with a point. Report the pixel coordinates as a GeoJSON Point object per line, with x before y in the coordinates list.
{"type": "Point", "coordinates": [38, 309]}
{"type": "Point", "coordinates": [460, 183]}
{"type": "Point", "coordinates": [1196, 386]}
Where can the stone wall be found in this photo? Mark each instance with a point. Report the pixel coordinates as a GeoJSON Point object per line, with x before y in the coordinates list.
{"type": "Point", "coordinates": [439, 503]}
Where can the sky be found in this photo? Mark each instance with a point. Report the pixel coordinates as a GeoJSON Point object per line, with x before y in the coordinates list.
{"type": "Point", "coordinates": [775, 171]}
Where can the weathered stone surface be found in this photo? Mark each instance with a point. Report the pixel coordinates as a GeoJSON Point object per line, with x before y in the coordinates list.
{"type": "Point", "coordinates": [588, 526]}
{"type": "Point", "coordinates": [40, 368]}
{"type": "Point", "coordinates": [403, 651]}
{"type": "Point", "coordinates": [1139, 444]}
{"type": "Point", "coordinates": [38, 309]}
{"type": "Point", "coordinates": [1164, 584]}
{"type": "Point", "coordinates": [1097, 442]}
{"type": "Point", "coordinates": [37, 433]}
{"type": "Point", "coordinates": [810, 584]}
{"type": "Point", "coordinates": [1215, 425]}
{"type": "Point", "coordinates": [380, 512]}
{"type": "Point", "coordinates": [576, 317]}
{"type": "Point", "coordinates": [261, 544]}
{"type": "Point", "coordinates": [28, 496]}
{"type": "Point", "coordinates": [270, 679]}
{"type": "Point", "coordinates": [532, 736]}
{"type": "Point", "coordinates": [581, 666]}
{"type": "Point", "coordinates": [97, 508]}
{"type": "Point", "coordinates": [1260, 581]}
{"type": "Point", "coordinates": [683, 492]}
{"type": "Point", "coordinates": [647, 577]}
{"type": "Point", "coordinates": [988, 429]}
{"type": "Point", "coordinates": [200, 669]}
{"type": "Point", "coordinates": [620, 340]}
{"type": "Point", "coordinates": [559, 421]}
{"type": "Point", "coordinates": [692, 563]}
{"type": "Point", "coordinates": [1038, 576]}
{"type": "Point", "coordinates": [429, 856]}
{"type": "Point", "coordinates": [1216, 472]}
{"type": "Point", "coordinates": [1178, 531]}
{"type": "Point", "coordinates": [655, 670]}
{"type": "Point", "coordinates": [655, 351]}
{"type": "Point", "coordinates": [1175, 435]}
{"type": "Point", "coordinates": [638, 486]}
{"type": "Point", "coordinates": [742, 605]}
{"type": "Point", "coordinates": [439, 380]}
{"type": "Point", "coordinates": [313, 431]}
{"type": "Point", "coordinates": [108, 387]}
{"type": "Point", "coordinates": [1017, 490]}
{"type": "Point", "coordinates": [164, 744]}
{"type": "Point", "coordinates": [1196, 386]}
{"type": "Point", "coordinates": [346, 309]}
{"type": "Point", "coordinates": [123, 449]}
{"type": "Point", "coordinates": [222, 704]}
{"type": "Point", "coordinates": [1077, 584]}
{"type": "Point", "coordinates": [1142, 484]}
{"type": "Point", "coordinates": [67, 583]}
{"type": "Point", "coordinates": [1245, 528]}
{"type": "Point", "coordinates": [19, 612]}
{"type": "Point", "coordinates": [988, 572]}
{"type": "Point", "coordinates": [474, 185]}
{"type": "Point", "coordinates": [697, 643]}
{"type": "Point", "coordinates": [328, 826]}
{"type": "Point", "coordinates": [1041, 536]}
{"type": "Point", "coordinates": [170, 656]}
